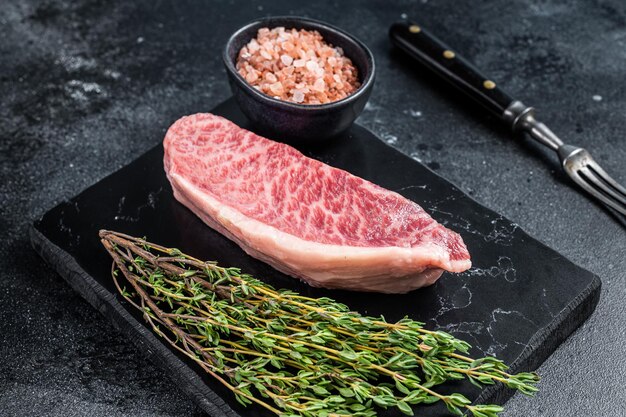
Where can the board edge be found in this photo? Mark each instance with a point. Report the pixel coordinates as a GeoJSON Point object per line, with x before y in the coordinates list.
{"type": "Point", "coordinates": [545, 342]}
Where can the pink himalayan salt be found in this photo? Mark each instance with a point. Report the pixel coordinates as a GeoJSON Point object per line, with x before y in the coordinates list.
{"type": "Point", "coordinates": [297, 66]}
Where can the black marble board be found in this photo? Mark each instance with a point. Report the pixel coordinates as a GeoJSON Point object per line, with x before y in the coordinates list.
{"type": "Point", "coordinates": [520, 300]}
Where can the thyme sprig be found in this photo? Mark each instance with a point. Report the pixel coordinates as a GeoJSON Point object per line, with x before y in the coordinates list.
{"type": "Point", "coordinates": [291, 354]}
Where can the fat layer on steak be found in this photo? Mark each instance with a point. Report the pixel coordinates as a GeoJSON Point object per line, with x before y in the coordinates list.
{"type": "Point", "coordinates": [305, 218]}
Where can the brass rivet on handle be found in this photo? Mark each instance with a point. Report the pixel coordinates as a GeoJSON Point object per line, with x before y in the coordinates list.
{"type": "Point", "coordinates": [415, 29]}
{"type": "Point", "coordinates": [448, 54]}
{"type": "Point", "coordinates": [489, 85]}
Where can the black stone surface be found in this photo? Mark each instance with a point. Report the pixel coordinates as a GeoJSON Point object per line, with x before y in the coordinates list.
{"type": "Point", "coordinates": [87, 86]}
{"type": "Point", "coordinates": [505, 306]}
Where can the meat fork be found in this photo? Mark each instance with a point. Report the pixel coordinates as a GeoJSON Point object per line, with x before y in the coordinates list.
{"type": "Point", "coordinates": [445, 62]}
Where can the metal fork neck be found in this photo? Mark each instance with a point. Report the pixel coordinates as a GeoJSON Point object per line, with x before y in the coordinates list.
{"type": "Point", "coordinates": [522, 118]}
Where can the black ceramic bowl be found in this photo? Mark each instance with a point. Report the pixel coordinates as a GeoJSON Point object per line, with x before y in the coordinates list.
{"type": "Point", "coordinates": [292, 122]}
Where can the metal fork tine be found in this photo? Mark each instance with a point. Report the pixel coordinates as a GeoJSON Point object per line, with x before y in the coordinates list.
{"type": "Point", "coordinates": [588, 175]}
{"type": "Point", "coordinates": [606, 177]}
{"type": "Point", "coordinates": [592, 177]}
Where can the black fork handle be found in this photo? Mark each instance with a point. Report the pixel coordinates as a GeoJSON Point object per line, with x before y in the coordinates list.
{"type": "Point", "coordinates": [449, 65]}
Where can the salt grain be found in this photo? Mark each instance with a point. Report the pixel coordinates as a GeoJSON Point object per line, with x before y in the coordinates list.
{"type": "Point", "coordinates": [286, 60]}
{"type": "Point", "coordinates": [253, 46]}
{"type": "Point", "coordinates": [252, 76]}
{"type": "Point", "coordinates": [276, 88]}
{"type": "Point", "coordinates": [319, 85]}
{"type": "Point", "coordinates": [298, 96]}
{"type": "Point", "coordinates": [298, 66]}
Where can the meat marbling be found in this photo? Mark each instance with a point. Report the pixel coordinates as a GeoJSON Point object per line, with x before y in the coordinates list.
{"type": "Point", "coordinates": [305, 218]}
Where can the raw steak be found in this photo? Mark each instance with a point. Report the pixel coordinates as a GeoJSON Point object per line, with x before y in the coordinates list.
{"type": "Point", "coordinates": [303, 217]}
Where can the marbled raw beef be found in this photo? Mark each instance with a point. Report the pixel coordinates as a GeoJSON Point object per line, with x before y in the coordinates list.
{"type": "Point", "coordinates": [305, 218]}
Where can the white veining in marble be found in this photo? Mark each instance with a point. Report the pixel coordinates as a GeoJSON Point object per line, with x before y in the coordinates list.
{"type": "Point", "coordinates": [136, 212]}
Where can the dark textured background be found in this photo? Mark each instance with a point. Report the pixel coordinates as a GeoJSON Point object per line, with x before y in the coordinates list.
{"type": "Point", "coordinates": [87, 86]}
